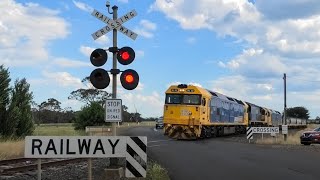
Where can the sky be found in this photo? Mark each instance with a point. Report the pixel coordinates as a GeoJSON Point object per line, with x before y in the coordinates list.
{"type": "Point", "coordinates": [239, 48]}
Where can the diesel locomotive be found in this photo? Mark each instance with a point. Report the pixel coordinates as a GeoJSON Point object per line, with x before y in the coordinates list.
{"type": "Point", "coordinates": [192, 112]}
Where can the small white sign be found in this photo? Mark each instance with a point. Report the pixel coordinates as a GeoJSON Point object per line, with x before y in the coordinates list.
{"type": "Point", "coordinates": [264, 130]}
{"type": "Point", "coordinates": [113, 110]}
{"type": "Point", "coordinates": [284, 129]}
{"type": "Point", "coordinates": [75, 146]}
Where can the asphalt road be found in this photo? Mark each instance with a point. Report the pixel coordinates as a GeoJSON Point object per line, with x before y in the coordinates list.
{"type": "Point", "coordinates": [218, 159]}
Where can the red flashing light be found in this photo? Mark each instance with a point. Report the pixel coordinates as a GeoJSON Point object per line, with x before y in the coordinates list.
{"type": "Point", "coordinates": [129, 78]}
{"type": "Point", "coordinates": [125, 55]}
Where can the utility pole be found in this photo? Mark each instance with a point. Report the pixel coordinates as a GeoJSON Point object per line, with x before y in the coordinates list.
{"type": "Point", "coordinates": [285, 103]}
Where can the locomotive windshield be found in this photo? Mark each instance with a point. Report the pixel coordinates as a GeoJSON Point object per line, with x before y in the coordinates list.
{"type": "Point", "coordinates": [189, 99]}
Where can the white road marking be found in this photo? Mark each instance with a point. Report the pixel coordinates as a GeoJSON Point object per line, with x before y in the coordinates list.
{"type": "Point", "coordinates": [154, 145]}
{"type": "Point", "coordinates": [159, 141]}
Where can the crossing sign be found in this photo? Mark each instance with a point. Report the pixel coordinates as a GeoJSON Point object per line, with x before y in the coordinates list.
{"type": "Point", "coordinates": [111, 24]}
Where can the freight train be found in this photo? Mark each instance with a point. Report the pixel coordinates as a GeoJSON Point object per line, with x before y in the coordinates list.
{"type": "Point", "coordinates": [192, 112]}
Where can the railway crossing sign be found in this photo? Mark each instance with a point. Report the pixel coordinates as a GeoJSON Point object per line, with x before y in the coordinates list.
{"type": "Point", "coordinates": [265, 130]}
{"type": "Point", "coordinates": [111, 24]}
{"type": "Point", "coordinates": [261, 130]}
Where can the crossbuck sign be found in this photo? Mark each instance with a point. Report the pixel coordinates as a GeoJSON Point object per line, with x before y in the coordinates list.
{"type": "Point", "coordinates": [117, 24]}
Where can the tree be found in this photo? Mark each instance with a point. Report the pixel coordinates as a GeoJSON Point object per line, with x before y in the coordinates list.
{"type": "Point", "coordinates": [49, 111]}
{"type": "Point", "coordinates": [298, 112]}
{"type": "Point", "coordinates": [15, 106]}
{"type": "Point", "coordinates": [4, 100]}
{"type": "Point", "coordinates": [89, 95]}
{"type": "Point", "coordinates": [20, 108]}
{"type": "Point", "coordinates": [52, 105]}
{"type": "Point", "coordinates": [90, 115]}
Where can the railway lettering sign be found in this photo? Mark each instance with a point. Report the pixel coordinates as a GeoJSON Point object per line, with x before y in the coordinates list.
{"type": "Point", "coordinates": [75, 146]}
{"type": "Point", "coordinates": [133, 148]}
{"type": "Point", "coordinates": [264, 130]}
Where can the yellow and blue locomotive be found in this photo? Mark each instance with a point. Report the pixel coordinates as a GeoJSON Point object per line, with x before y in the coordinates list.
{"type": "Point", "coordinates": [192, 112]}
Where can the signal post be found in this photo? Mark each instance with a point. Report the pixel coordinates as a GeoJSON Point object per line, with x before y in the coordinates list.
{"type": "Point", "coordinates": [99, 77]}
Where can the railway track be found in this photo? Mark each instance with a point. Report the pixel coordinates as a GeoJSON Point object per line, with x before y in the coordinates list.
{"type": "Point", "coordinates": [12, 166]}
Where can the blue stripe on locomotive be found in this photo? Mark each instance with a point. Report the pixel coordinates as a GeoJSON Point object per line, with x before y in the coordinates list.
{"type": "Point", "coordinates": [225, 111]}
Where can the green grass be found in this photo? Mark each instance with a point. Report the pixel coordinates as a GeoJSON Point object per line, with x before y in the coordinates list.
{"type": "Point", "coordinates": [57, 130]}
{"type": "Point", "coordinates": [146, 123]}
{"type": "Point", "coordinates": [156, 172]}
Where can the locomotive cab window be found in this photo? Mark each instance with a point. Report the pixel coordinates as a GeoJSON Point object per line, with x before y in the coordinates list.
{"type": "Point", "coordinates": [173, 98]}
{"type": "Point", "coordinates": [189, 99]}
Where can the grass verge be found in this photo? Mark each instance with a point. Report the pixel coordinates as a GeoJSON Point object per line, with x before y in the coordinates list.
{"type": "Point", "coordinates": [11, 149]}
{"type": "Point", "coordinates": [57, 130]}
{"type": "Point", "coordinates": [156, 172]}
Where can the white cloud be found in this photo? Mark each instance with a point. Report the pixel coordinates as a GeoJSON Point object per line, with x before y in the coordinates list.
{"type": "Point", "coordinates": [124, 1]}
{"type": "Point", "coordinates": [83, 6]}
{"type": "Point", "coordinates": [148, 24]}
{"type": "Point", "coordinates": [221, 64]}
{"type": "Point", "coordinates": [74, 104]}
{"type": "Point", "coordinates": [178, 82]}
{"type": "Point", "coordinates": [146, 28]}
{"type": "Point", "coordinates": [63, 79]}
{"type": "Point", "coordinates": [85, 50]}
{"type": "Point", "coordinates": [139, 53]}
{"type": "Point", "coordinates": [29, 27]}
{"type": "Point", "coordinates": [265, 86]}
{"type": "Point", "coordinates": [103, 40]}
{"type": "Point", "coordinates": [280, 10]}
{"type": "Point", "coordinates": [295, 35]}
{"type": "Point", "coordinates": [64, 62]}
{"type": "Point", "coordinates": [191, 40]}
{"type": "Point", "coordinates": [144, 104]}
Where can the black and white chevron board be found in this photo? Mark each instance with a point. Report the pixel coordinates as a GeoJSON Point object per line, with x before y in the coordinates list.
{"type": "Point", "coordinates": [249, 133]}
{"type": "Point", "coordinates": [136, 156]}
